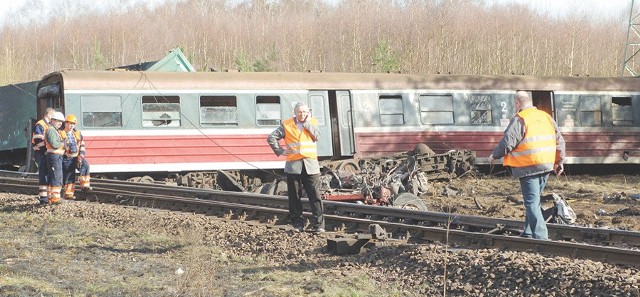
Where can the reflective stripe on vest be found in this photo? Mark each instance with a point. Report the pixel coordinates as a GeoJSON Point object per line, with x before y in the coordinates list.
{"type": "Point", "coordinates": [299, 141]}
{"type": "Point", "coordinates": [538, 146]}
{"type": "Point", "coordinates": [39, 138]}
{"type": "Point", "coordinates": [73, 147]}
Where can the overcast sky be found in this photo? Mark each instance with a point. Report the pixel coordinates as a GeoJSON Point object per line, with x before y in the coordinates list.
{"type": "Point", "coordinates": [556, 8]}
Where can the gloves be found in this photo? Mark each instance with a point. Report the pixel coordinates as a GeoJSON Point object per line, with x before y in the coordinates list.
{"type": "Point", "coordinates": [491, 159]}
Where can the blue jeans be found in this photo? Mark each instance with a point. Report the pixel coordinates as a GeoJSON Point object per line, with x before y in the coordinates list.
{"type": "Point", "coordinates": [534, 224]}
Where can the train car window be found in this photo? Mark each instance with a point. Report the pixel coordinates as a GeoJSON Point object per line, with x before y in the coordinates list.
{"type": "Point", "coordinates": [391, 110]}
{"type": "Point", "coordinates": [268, 110]}
{"type": "Point", "coordinates": [480, 109]}
{"type": "Point", "coordinates": [436, 109]}
{"type": "Point", "coordinates": [590, 111]}
{"type": "Point", "coordinates": [101, 111]}
{"type": "Point", "coordinates": [317, 109]}
{"type": "Point", "coordinates": [51, 95]}
{"type": "Point", "coordinates": [345, 111]}
{"type": "Point", "coordinates": [218, 111]}
{"type": "Point", "coordinates": [160, 111]}
{"type": "Point", "coordinates": [621, 111]}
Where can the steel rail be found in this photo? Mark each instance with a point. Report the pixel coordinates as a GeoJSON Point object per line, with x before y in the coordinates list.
{"type": "Point", "coordinates": [347, 217]}
{"type": "Point", "coordinates": [598, 236]}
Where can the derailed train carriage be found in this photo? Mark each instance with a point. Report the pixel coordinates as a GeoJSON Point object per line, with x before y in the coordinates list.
{"type": "Point", "coordinates": [17, 108]}
{"type": "Point", "coordinates": [186, 124]}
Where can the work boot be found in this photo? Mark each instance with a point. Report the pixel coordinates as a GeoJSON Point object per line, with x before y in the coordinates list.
{"type": "Point", "coordinates": [317, 229]}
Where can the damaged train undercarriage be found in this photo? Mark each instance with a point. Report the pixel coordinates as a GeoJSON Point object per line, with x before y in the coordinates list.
{"type": "Point", "coordinates": [397, 180]}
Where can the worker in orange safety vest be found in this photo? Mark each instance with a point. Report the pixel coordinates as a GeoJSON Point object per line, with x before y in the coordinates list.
{"type": "Point", "coordinates": [533, 147]}
{"type": "Point", "coordinates": [55, 151]}
{"type": "Point", "coordinates": [39, 149]}
{"type": "Point", "coordinates": [74, 158]}
{"type": "Point", "coordinates": [300, 134]}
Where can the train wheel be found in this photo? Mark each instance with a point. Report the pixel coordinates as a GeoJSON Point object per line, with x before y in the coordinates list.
{"type": "Point", "coordinates": [228, 182]}
{"type": "Point", "coordinates": [277, 187]}
{"type": "Point", "coordinates": [409, 201]}
{"type": "Point", "coordinates": [147, 179]}
{"type": "Point", "coordinates": [349, 166]}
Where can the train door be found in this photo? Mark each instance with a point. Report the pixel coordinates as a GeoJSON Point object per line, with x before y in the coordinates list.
{"type": "Point", "coordinates": [543, 100]}
{"type": "Point", "coordinates": [318, 102]}
{"type": "Point", "coordinates": [49, 95]}
{"type": "Point", "coordinates": [342, 120]}
{"type": "Point", "coordinates": [338, 138]}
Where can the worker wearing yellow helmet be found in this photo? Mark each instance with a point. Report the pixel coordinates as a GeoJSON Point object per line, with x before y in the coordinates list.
{"type": "Point", "coordinates": [74, 158]}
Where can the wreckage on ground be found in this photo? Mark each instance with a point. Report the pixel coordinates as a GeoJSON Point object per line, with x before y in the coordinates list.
{"type": "Point", "coordinates": [396, 180]}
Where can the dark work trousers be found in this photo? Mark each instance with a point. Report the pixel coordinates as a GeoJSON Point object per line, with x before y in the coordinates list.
{"type": "Point", "coordinates": [84, 169]}
{"type": "Point", "coordinates": [54, 172]}
{"type": "Point", "coordinates": [311, 184]}
{"type": "Point", "coordinates": [41, 160]}
{"type": "Point", "coordinates": [69, 170]}
{"type": "Point", "coordinates": [43, 181]}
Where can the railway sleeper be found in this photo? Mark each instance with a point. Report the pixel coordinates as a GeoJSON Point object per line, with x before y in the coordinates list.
{"type": "Point", "coordinates": [348, 244]}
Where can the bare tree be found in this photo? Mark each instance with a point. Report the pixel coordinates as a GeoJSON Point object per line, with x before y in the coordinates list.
{"type": "Point", "coordinates": [414, 36]}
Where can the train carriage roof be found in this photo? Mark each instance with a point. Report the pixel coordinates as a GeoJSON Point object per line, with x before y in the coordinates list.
{"type": "Point", "coordinates": [141, 80]}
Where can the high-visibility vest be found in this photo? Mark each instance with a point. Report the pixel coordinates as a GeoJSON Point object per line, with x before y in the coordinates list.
{"type": "Point", "coordinates": [57, 151]}
{"type": "Point", "coordinates": [299, 142]}
{"type": "Point", "coordinates": [79, 143]}
{"type": "Point", "coordinates": [37, 140]}
{"type": "Point", "coordinates": [538, 146]}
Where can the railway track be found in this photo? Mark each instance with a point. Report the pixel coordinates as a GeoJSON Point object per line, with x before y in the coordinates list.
{"type": "Point", "coordinates": [353, 225]}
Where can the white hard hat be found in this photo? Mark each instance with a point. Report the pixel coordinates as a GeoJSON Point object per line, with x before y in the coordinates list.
{"type": "Point", "coordinates": [58, 116]}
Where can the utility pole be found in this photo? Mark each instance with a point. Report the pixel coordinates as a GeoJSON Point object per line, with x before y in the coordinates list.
{"type": "Point", "coordinates": [632, 47]}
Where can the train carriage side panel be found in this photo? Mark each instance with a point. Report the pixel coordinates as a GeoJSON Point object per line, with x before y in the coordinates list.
{"type": "Point", "coordinates": [443, 119]}
{"type": "Point", "coordinates": [190, 131]}
{"type": "Point", "coordinates": [389, 112]}
{"type": "Point", "coordinates": [600, 127]}
{"type": "Point", "coordinates": [16, 115]}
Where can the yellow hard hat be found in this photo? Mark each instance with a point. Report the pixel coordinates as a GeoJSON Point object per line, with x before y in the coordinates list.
{"type": "Point", "coordinates": [72, 119]}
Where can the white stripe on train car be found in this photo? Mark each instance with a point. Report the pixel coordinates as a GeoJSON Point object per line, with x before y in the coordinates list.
{"type": "Point", "coordinates": [184, 91]}
{"type": "Point", "coordinates": [172, 132]}
{"type": "Point", "coordinates": [178, 167]}
{"type": "Point", "coordinates": [426, 128]}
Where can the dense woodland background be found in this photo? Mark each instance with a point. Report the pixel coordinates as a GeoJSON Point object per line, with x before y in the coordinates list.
{"type": "Point", "coordinates": [409, 36]}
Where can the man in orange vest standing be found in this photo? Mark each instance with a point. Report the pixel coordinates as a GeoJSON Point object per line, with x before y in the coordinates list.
{"type": "Point", "coordinates": [55, 150]}
{"type": "Point", "coordinates": [300, 135]}
{"type": "Point", "coordinates": [533, 147]}
{"type": "Point", "coordinates": [38, 144]}
{"type": "Point", "coordinates": [74, 158]}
